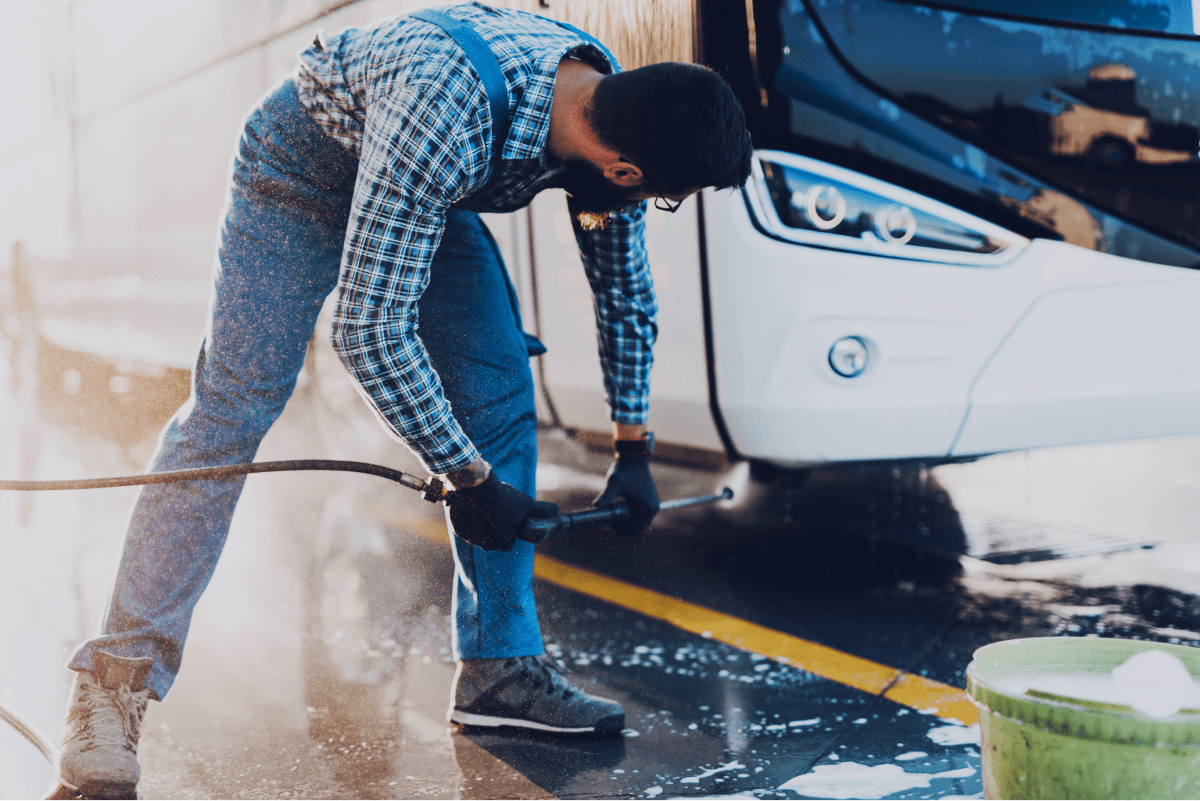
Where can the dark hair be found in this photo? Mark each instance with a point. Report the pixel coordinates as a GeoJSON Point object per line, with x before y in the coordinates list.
{"type": "Point", "coordinates": [680, 123]}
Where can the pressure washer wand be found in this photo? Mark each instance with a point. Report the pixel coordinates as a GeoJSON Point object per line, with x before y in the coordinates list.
{"type": "Point", "coordinates": [541, 529]}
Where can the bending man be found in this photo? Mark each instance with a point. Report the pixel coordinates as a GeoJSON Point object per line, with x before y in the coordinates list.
{"type": "Point", "coordinates": [362, 172]}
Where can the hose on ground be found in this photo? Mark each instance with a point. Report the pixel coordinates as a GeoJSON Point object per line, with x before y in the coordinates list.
{"type": "Point", "coordinates": [25, 727]}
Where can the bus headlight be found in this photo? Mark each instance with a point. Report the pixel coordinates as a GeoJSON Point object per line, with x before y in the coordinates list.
{"type": "Point", "coordinates": [810, 202]}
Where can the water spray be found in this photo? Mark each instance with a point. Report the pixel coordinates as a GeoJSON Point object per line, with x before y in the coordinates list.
{"type": "Point", "coordinates": [533, 529]}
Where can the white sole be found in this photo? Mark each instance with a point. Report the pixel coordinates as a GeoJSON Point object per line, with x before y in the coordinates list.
{"type": "Point", "coordinates": [471, 719]}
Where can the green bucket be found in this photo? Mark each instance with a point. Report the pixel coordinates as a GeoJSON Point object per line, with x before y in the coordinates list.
{"type": "Point", "coordinates": [1042, 748]}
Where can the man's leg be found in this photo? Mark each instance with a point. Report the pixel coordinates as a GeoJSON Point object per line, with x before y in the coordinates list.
{"type": "Point", "coordinates": [471, 326]}
{"type": "Point", "coordinates": [278, 256]}
{"type": "Point", "coordinates": [473, 336]}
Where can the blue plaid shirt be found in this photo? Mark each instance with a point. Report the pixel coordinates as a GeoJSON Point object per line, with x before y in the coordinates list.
{"type": "Point", "coordinates": [403, 97]}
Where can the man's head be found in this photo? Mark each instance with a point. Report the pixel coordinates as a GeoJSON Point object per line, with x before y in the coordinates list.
{"type": "Point", "coordinates": [676, 128]}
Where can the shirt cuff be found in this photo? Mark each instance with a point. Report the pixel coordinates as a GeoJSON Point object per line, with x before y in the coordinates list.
{"type": "Point", "coordinates": [441, 465]}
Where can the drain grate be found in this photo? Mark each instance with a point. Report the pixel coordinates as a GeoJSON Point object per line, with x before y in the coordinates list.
{"type": "Point", "coordinates": [1006, 540]}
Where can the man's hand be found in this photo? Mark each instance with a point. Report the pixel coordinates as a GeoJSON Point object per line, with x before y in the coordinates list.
{"type": "Point", "coordinates": [629, 478]}
{"type": "Point", "coordinates": [489, 513]}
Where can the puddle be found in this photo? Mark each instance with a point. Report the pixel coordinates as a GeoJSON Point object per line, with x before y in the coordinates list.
{"type": "Point", "coordinates": [1009, 540]}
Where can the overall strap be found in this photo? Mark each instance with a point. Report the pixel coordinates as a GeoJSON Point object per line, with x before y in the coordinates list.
{"type": "Point", "coordinates": [484, 61]}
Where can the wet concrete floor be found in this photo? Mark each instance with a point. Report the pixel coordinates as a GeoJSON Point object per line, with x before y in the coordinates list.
{"type": "Point", "coordinates": [318, 663]}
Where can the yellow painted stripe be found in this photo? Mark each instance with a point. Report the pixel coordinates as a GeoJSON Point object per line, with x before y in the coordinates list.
{"type": "Point", "coordinates": [925, 695]}
{"type": "Point", "coordinates": [929, 695]}
{"type": "Point", "coordinates": [918, 692]}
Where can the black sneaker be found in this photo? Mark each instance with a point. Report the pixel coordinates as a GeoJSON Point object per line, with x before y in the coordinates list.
{"type": "Point", "coordinates": [104, 721]}
{"type": "Point", "coordinates": [529, 692]}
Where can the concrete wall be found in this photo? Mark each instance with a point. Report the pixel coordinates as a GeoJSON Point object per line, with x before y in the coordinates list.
{"type": "Point", "coordinates": [129, 111]}
{"type": "Point", "coordinates": [137, 106]}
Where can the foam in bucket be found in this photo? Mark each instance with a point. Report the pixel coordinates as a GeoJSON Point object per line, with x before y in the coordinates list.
{"type": "Point", "coordinates": [1082, 717]}
{"type": "Point", "coordinates": [1154, 683]}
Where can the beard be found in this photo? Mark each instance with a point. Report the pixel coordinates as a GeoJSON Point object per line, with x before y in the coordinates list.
{"type": "Point", "coordinates": [592, 197]}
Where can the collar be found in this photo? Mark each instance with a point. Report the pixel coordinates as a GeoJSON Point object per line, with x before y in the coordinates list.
{"type": "Point", "coordinates": [535, 116]}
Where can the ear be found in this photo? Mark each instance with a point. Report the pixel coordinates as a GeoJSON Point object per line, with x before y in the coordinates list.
{"type": "Point", "coordinates": [622, 173]}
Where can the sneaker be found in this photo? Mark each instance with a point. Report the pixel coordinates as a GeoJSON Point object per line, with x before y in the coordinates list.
{"type": "Point", "coordinates": [104, 720]}
{"type": "Point", "coordinates": [529, 692]}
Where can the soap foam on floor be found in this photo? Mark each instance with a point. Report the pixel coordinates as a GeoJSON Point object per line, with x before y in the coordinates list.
{"type": "Point", "coordinates": [955, 735]}
{"type": "Point", "coordinates": [854, 780]}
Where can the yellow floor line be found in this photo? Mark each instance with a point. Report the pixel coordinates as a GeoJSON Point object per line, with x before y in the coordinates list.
{"type": "Point", "coordinates": [918, 692]}
{"type": "Point", "coordinates": [922, 693]}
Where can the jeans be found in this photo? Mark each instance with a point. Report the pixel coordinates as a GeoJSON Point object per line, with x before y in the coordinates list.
{"type": "Point", "coordinates": [279, 252]}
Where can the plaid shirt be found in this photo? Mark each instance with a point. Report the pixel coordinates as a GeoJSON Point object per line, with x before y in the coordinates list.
{"type": "Point", "coordinates": [403, 97]}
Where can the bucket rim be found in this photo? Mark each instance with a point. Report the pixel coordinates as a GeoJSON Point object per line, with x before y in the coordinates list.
{"type": "Point", "coordinates": [1074, 720]}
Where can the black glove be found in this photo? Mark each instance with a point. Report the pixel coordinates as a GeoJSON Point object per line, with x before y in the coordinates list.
{"type": "Point", "coordinates": [629, 478]}
{"type": "Point", "coordinates": [489, 514]}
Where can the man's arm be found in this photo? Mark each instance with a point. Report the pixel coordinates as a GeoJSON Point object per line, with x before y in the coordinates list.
{"type": "Point", "coordinates": [424, 145]}
{"type": "Point", "coordinates": [619, 273]}
{"type": "Point", "coordinates": [419, 153]}
{"type": "Point", "coordinates": [618, 270]}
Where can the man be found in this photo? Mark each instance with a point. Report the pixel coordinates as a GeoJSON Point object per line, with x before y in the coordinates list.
{"type": "Point", "coordinates": [361, 173]}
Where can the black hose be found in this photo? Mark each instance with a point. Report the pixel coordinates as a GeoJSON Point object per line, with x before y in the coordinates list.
{"type": "Point", "coordinates": [432, 488]}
